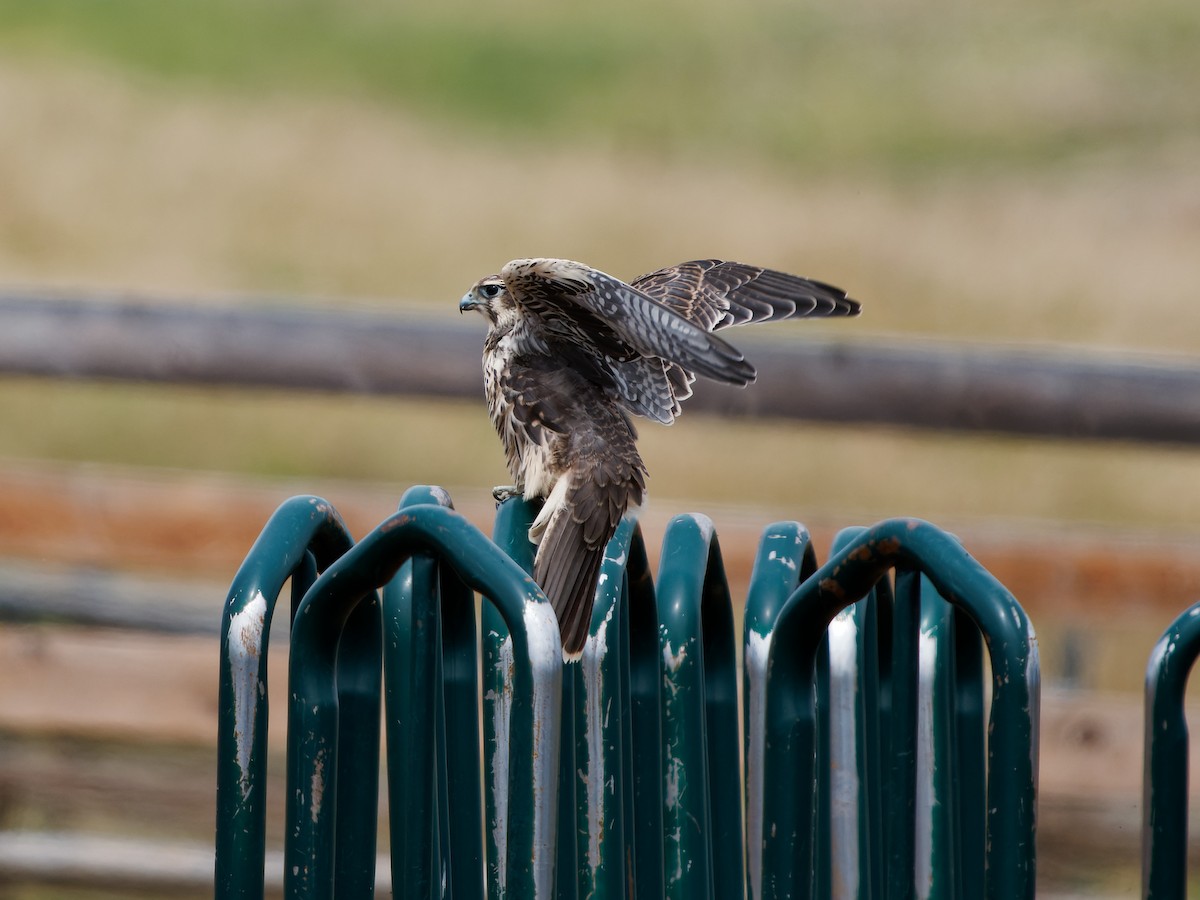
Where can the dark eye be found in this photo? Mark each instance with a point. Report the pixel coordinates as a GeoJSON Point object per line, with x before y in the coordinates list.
{"type": "Point", "coordinates": [490, 291]}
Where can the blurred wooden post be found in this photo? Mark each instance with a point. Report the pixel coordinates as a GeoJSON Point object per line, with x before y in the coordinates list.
{"type": "Point", "coordinates": [962, 387]}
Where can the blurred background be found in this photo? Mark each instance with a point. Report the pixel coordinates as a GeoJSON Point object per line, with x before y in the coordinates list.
{"type": "Point", "coordinates": [1023, 174]}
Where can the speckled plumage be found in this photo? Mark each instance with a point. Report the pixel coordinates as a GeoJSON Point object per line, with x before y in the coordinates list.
{"type": "Point", "coordinates": [571, 352]}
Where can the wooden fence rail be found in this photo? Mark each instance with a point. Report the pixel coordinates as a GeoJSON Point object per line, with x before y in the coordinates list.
{"type": "Point", "coordinates": [1052, 391]}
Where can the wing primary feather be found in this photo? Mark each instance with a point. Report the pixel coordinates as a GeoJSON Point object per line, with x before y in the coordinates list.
{"type": "Point", "coordinates": [718, 294]}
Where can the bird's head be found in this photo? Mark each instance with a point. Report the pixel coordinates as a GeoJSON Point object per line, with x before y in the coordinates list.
{"type": "Point", "coordinates": [489, 296]}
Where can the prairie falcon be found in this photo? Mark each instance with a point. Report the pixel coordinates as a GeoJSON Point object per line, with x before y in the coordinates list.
{"type": "Point", "coordinates": [571, 352]}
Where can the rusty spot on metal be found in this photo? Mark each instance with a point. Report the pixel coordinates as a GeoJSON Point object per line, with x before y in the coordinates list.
{"type": "Point", "coordinates": [889, 546]}
{"type": "Point", "coordinates": [834, 587]}
{"type": "Point", "coordinates": [396, 521]}
{"type": "Point", "coordinates": [862, 553]}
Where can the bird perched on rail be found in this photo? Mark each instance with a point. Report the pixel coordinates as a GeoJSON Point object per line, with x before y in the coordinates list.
{"type": "Point", "coordinates": [571, 352]}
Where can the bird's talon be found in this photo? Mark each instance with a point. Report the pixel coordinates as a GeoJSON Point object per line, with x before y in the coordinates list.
{"type": "Point", "coordinates": [504, 492]}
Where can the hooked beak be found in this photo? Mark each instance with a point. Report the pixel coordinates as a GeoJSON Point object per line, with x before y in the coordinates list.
{"type": "Point", "coordinates": [469, 301]}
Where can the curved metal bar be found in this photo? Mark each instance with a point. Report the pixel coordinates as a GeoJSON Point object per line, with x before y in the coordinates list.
{"type": "Point", "coordinates": [359, 683]}
{"type": "Point", "coordinates": [851, 744]}
{"type": "Point", "coordinates": [416, 740]}
{"type": "Point", "coordinates": [461, 799]}
{"type": "Point", "coordinates": [644, 809]}
{"type": "Point", "coordinates": [303, 535]}
{"type": "Point", "coordinates": [900, 797]}
{"type": "Point", "coordinates": [510, 532]}
{"type": "Point", "coordinates": [785, 558]}
{"type": "Point", "coordinates": [537, 674]}
{"type": "Point", "coordinates": [603, 820]}
{"type": "Point", "coordinates": [702, 815]}
{"type": "Point", "coordinates": [1165, 779]}
{"type": "Point", "coordinates": [951, 753]}
{"type": "Point", "coordinates": [790, 714]}
{"type": "Point", "coordinates": [857, 725]}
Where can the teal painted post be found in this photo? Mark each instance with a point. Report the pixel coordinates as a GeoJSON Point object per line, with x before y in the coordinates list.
{"type": "Point", "coordinates": [645, 714]}
{"type": "Point", "coordinates": [460, 776]}
{"type": "Point", "coordinates": [935, 837]}
{"type": "Point", "coordinates": [568, 790]}
{"type": "Point", "coordinates": [785, 558]}
{"type": "Point", "coordinates": [951, 753]}
{"type": "Point", "coordinates": [303, 535]}
{"type": "Point", "coordinates": [302, 578]}
{"type": "Point", "coordinates": [359, 683]}
{"type": "Point", "coordinates": [878, 708]}
{"type": "Point", "coordinates": [901, 776]}
{"type": "Point", "coordinates": [969, 754]}
{"type": "Point", "coordinates": [602, 731]}
{"type": "Point", "coordinates": [790, 714]}
{"type": "Point", "coordinates": [511, 528]}
{"type": "Point", "coordinates": [313, 820]}
{"type": "Point", "coordinates": [853, 743]}
{"type": "Point", "coordinates": [933, 872]}
{"type": "Point", "coordinates": [875, 648]}
{"type": "Point", "coordinates": [1165, 778]}
{"type": "Point", "coordinates": [415, 713]}
{"type": "Point", "coordinates": [702, 816]}
{"type": "Point", "coordinates": [527, 865]}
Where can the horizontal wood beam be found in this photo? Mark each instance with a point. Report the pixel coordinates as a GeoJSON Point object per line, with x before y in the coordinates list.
{"type": "Point", "coordinates": [1051, 392]}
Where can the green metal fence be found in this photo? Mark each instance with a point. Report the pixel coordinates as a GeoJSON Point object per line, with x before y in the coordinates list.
{"type": "Point", "coordinates": [906, 804]}
{"type": "Point", "coordinates": [1165, 778]}
{"type": "Point", "coordinates": [869, 770]}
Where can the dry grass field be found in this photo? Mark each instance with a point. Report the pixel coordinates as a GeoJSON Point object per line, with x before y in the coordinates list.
{"type": "Point", "coordinates": [111, 182]}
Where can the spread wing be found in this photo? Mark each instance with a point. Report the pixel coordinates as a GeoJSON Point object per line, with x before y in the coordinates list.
{"type": "Point", "coordinates": [616, 321]}
{"type": "Point", "coordinates": [652, 338]}
{"type": "Point", "coordinates": [715, 294]}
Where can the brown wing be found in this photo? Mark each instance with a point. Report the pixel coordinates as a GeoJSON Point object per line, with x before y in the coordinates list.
{"type": "Point", "coordinates": [715, 294]}
{"type": "Point", "coordinates": [615, 321]}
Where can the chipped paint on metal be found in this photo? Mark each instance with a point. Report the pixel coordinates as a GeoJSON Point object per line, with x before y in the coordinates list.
{"type": "Point", "coordinates": [1033, 678]}
{"type": "Point", "coordinates": [317, 787]}
{"type": "Point", "coordinates": [757, 652]}
{"type": "Point", "coordinates": [594, 654]}
{"type": "Point", "coordinates": [501, 719]}
{"type": "Point", "coordinates": [775, 556]}
{"type": "Point", "coordinates": [545, 652]}
{"type": "Point", "coordinates": [705, 526]}
{"type": "Point", "coordinates": [927, 663]}
{"type": "Point", "coordinates": [843, 753]}
{"type": "Point", "coordinates": [441, 496]}
{"type": "Point", "coordinates": [672, 792]}
{"type": "Point", "coordinates": [676, 778]}
{"type": "Point", "coordinates": [244, 644]}
{"type": "Point", "coordinates": [673, 660]}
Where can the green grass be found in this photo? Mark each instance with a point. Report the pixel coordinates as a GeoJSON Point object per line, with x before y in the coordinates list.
{"type": "Point", "coordinates": [910, 88]}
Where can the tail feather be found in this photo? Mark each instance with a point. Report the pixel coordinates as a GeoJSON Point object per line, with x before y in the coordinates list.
{"type": "Point", "coordinates": [580, 517]}
{"type": "Point", "coordinates": [567, 570]}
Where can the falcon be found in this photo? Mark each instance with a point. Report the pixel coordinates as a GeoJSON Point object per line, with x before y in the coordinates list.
{"type": "Point", "coordinates": [571, 353]}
